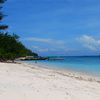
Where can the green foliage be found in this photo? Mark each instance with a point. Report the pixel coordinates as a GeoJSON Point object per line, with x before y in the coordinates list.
{"type": "Point", "coordinates": [11, 47]}
{"type": "Point", "coordinates": [2, 27]}
{"type": "Point", "coordinates": [2, 1]}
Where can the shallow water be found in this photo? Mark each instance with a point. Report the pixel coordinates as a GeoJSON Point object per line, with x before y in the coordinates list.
{"type": "Point", "coordinates": [82, 64]}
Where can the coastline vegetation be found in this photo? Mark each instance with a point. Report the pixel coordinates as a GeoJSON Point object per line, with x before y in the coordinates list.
{"type": "Point", "coordinates": [10, 46]}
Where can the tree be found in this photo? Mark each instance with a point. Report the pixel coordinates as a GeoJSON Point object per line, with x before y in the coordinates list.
{"type": "Point", "coordinates": [10, 46]}
{"type": "Point", "coordinates": [2, 1]}
{"type": "Point", "coordinates": [2, 27]}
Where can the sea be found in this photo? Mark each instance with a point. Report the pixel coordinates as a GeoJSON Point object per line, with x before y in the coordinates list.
{"type": "Point", "coordinates": [86, 64]}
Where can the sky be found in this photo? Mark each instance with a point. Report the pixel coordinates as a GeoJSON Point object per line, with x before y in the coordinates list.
{"type": "Point", "coordinates": [56, 27]}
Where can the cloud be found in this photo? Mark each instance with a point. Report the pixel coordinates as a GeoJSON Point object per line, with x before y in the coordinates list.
{"type": "Point", "coordinates": [48, 45]}
{"type": "Point", "coordinates": [39, 49]}
{"type": "Point", "coordinates": [47, 41]}
{"type": "Point", "coordinates": [44, 49]}
{"type": "Point", "coordinates": [89, 42]}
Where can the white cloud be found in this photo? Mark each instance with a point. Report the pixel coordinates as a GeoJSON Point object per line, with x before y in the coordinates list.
{"type": "Point", "coordinates": [89, 42]}
{"type": "Point", "coordinates": [35, 47]}
{"type": "Point", "coordinates": [42, 49]}
{"type": "Point", "coordinates": [49, 49]}
{"type": "Point", "coordinates": [59, 43]}
{"type": "Point", "coordinates": [52, 45]}
{"type": "Point", "coordinates": [39, 49]}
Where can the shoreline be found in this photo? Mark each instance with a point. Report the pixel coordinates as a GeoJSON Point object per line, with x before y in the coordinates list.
{"type": "Point", "coordinates": [67, 72]}
{"type": "Point", "coordinates": [27, 82]}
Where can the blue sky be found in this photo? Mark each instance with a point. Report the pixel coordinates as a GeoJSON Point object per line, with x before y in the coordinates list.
{"type": "Point", "coordinates": [56, 27]}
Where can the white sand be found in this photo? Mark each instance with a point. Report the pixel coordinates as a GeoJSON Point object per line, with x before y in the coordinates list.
{"type": "Point", "coordinates": [22, 82]}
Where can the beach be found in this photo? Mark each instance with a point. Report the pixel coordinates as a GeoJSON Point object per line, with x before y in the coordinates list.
{"type": "Point", "coordinates": [31, 82]}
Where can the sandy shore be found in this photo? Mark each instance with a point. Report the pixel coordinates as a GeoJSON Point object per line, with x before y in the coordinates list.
{"type": "Point", "coordinates": [27, 82]}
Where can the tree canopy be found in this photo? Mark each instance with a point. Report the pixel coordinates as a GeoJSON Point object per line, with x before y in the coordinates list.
{"type": "Point", "coordinates": [10, 46]}
{"type": "Point", "coordinates": [2, 27]}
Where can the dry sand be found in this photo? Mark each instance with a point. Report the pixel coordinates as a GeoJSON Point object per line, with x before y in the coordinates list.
{"type": "Point", "coordinates": [27, 82]}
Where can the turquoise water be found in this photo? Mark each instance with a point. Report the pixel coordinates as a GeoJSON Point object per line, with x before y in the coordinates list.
{"type": "Point", "coordinates": [83, 64]}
